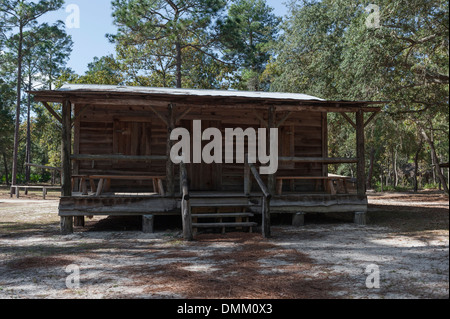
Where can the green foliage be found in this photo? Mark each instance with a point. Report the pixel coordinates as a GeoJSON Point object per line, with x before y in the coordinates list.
{"type": "Point", "coordinates": [250, 28]}
{"type": "Point", "coordinates": [104, 70]}
{"type": "Point", "coordinates": [29, 52]}
{"type": "Point", "coordinates": [154, 35]}
{"type": "Point", "coordinates": [327, 49]}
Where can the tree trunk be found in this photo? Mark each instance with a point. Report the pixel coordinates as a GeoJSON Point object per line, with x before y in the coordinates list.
{"type": "Point", "coordinates": [179, 56]}
{"type": "Point", "coordinates": [19, 86]}
{"type": "Point", "coordinates": [433, 162]}
{"type": "Point", "coordinates": [394, 166]}
{"type": "Point", "coordinates": [28, 149]}
{"type": "Point", "coordinates": [436, 167]}
{"type": "Point", "coordinates": [416, 168]}
{"type": "Point", "coordinates": [6, 169]}
{"type": "Point", "coordinates": [370, 174]}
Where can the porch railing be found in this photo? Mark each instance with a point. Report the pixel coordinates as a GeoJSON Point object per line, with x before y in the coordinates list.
{"type": "Point", "coordinates": [250, 169]}
{"type": "Point", "coordinates": [185, 203]}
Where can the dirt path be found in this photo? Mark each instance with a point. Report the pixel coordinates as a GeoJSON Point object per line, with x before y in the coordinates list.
{"type": "Point", "coordinates": [407, 238]}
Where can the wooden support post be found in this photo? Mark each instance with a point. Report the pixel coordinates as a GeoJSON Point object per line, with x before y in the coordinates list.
{"type": "Point", "coordinates": [17, 192]}
{"type": "Point", "coordinates": [83, 187]}
{"type": "Point", "coordinates": [100, 187]}
{"type": "Point", "coordinates": [266, 217]}
{"type": "Point", "coordinates": [66, 169]}
{"type": "Point", "coordinates": [360, 218]}
{"type": "Point", "coordinates": [331, 188]}
{"type": "Point", "coordinates": [271, 124]}
{"type": "Point", "coordinates": [279, 187]}
{"type": "Point", "coordinates": [107, 187]}
{"type": "Point", "coordinates": [247, 179]}
{"type": "Point", "coordinates": [169, 164]}
{"type": "Point", "coordinates": [148, 224]}
{"type": "Point", "coordinates": [185, 204]}
{"type": "Point", "coordinates": [66, 225]}
{"type": "Point", "coordinates": [187, 220]}
{"type": "Point", "coordinates": [79, 221]}
{"type": "Point", "coordinates": [298, 220]}
{"type": "Point", "coordinates": [66, 178]}
{"type": "Point", "coordinates": [92, 183]}
{"type": "Point", "coordinates": [44, 192]}
{"type": "Point", "coordinates": [360, 154]}
{"type": "Point", "coordinates": [155, 186]}
{"type": "Point", "coordinates": [161, 190]}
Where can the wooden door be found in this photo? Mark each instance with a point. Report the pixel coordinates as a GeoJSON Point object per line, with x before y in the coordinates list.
{"type": "Point", "coordinates": [204, 177]}
{"type": "Point", "coordinates": [132, 138]}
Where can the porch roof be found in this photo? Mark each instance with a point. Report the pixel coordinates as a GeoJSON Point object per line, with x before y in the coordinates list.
{"type": "Point", "coordinates": [129, 95]}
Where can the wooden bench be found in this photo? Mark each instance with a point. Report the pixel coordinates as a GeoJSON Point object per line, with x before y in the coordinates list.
{"type": "Point", "coordinates": [327, 180]}
{"type": "Point", "coordinates": [26, 188]}
{"type": "Point", "coordinates": [104, 183]}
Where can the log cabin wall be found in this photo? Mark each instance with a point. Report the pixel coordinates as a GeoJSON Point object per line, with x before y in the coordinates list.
{"type": "Point", "coordinates": [136, 130]}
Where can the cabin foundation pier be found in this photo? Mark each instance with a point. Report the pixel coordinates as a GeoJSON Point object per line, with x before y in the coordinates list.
{"type": "Point", "coordinates": [79, 221]}
{"type": "Point", "coordinates": [298, 219]}
{"type": "Point", "coordinates": [66, 225]}
{"type": "Point", "coordinates": [148, 224]}
{"type": "Point", "coordinates": [360, 218]}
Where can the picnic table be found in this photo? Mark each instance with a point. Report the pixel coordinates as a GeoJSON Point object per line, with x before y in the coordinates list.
{"type": "Point", "coordinates": [27, 187]}
{"type": "Point", "coordinates": [104, 182]}
{"type": "Point", "coordinates": [328, 182]}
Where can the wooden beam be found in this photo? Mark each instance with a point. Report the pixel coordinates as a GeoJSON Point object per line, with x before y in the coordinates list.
{"type": "Point", "coordinates": [77, 117]}
{"type": "Point", "coordinates": [360, 153]}
{"type": "Point", "coordinates": [162, 117]}
{"type": "Point", "coordinates": [261, 119]}
{"type": "Point", "coordinates": [52, 112]}
{"type": "Point", "coordinates": [82, 157]}
{"type": "Point", "coordinates": [322, 160]}
{"type": "Point", "coordinates": [179, 118]}
{"type": "Point", "coordinates": [208, 102]}
{"type": "Point", "coordinates": [374, 114]}
{"type": "Point", "coordinates": [349, 120]}
{"type": "Point", "coordinates": [281, 122]}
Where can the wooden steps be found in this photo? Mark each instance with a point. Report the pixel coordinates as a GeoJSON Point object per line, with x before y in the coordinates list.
{"type": "Point", "coordinates": [222, 217]}
{"type": "Point", "coordinates": [222, 225]}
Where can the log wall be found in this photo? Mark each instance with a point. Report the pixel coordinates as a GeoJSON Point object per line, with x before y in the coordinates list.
{"type": "Point", "coordinates": [137, 130]}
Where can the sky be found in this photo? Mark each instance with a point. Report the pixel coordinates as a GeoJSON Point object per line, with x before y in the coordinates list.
{"type": "Point", "coordinates": [95, 21]}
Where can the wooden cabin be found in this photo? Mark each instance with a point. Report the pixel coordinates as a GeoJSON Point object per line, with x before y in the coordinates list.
{"type": "Point", "coordinates": [116, 156]}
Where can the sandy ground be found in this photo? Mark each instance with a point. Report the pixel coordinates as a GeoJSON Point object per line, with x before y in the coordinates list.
{"type": "Point", "coordinates": [407, 238]}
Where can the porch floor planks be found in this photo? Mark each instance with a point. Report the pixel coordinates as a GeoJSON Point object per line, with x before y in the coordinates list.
{"type": "Point", "coordinates": [148, 203]}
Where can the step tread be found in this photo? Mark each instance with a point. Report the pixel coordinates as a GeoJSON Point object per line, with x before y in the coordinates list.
{"type": "Point", "coordinates": [207, 225]}
{"type": "Point", "coordinates": [223, 215]}
{"type": "Point", "coordinates": [195, 203]}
